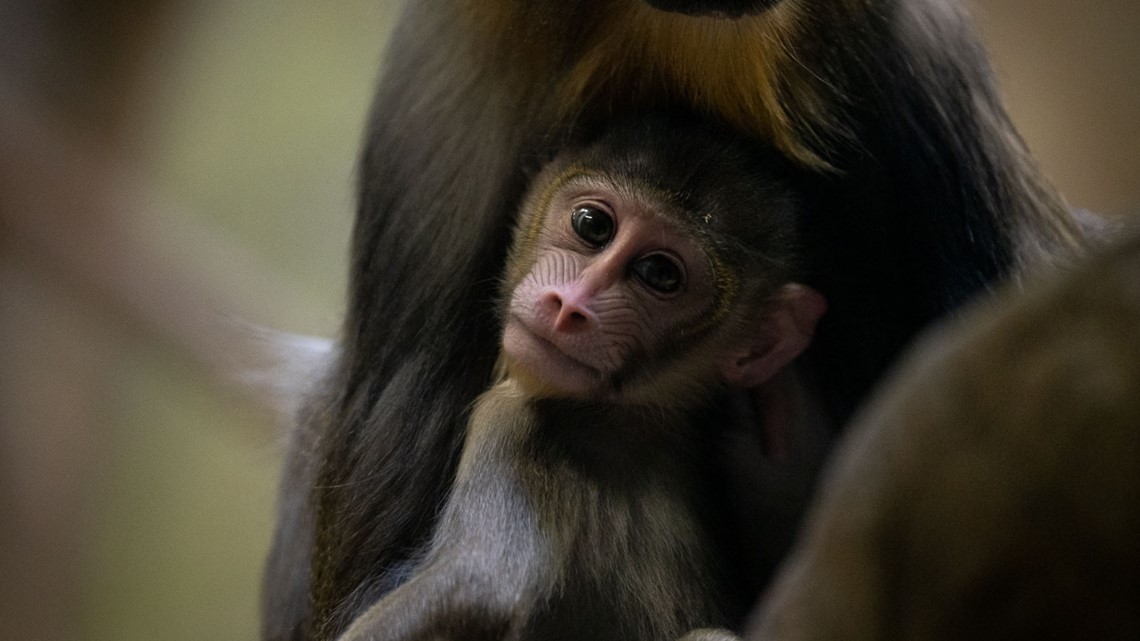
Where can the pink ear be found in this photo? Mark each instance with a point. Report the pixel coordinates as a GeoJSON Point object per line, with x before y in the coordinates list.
{"type": "Point", "coordinates": [783, 333]}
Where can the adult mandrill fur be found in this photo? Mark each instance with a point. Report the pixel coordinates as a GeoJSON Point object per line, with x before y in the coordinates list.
{"type": "Point", "coordinates": [925, 192]}
{"type": "Point", "coordinates": [651, 271]}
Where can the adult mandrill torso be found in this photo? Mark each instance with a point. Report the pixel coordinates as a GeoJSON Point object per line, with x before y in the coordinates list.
{"type": "Point", "coordinates": [650, 273]}
{"type": "Point", "coordinates": [925, 196]}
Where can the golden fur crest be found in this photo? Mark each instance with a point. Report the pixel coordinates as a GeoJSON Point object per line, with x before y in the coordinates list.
{"type": "Point", "coordinates": [745, 71]}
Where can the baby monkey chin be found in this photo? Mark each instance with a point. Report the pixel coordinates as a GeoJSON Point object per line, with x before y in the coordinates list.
{"type": "Point", "coordinates": [544, 369]}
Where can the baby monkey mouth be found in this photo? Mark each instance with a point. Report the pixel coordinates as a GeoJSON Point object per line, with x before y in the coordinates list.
{"type": "Point", "coordinates": [543, 359]}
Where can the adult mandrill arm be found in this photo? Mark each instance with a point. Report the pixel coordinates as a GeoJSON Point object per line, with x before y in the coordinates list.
{"type": "Point", "coordinates": [990, 490]}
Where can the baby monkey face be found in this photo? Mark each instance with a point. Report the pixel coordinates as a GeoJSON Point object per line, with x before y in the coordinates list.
{"type": "Point", "coordinates": [613, 280]}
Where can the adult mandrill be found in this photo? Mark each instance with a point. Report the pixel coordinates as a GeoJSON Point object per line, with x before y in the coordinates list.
{"type": "Point", "coordinates": [926, 192]}
{"type": "Point", "coordinates": [650, 271]}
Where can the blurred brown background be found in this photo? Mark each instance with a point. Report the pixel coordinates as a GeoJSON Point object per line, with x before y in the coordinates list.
{"type": "Point", "coordinates": [172, 174]}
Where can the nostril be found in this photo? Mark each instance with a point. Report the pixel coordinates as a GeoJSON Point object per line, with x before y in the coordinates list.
{"type": "Point", "coordinates": [571, 318]}
{"type": "Point", "coordinates": [552, 301]}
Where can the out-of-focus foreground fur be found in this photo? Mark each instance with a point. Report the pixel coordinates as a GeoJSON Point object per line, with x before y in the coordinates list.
{"type": "Point", "coordinates": [992, 489]}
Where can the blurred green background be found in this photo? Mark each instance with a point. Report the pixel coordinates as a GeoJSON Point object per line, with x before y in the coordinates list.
{"type": "Point", "coordinates": [172, 174]}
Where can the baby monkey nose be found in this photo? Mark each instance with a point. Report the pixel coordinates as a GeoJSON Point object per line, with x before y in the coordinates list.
{"type": "Point", "coordinates": [570, 315]}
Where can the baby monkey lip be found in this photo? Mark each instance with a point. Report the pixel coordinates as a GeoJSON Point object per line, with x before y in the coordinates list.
{"type": "Point", "coordinates": [545, 345]}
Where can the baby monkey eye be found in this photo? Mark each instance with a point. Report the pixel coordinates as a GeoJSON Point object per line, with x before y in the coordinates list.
{"type": "Point", "coordinates": [659, 273]}
{"type": "Point", "coordinates": [592, 225]}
